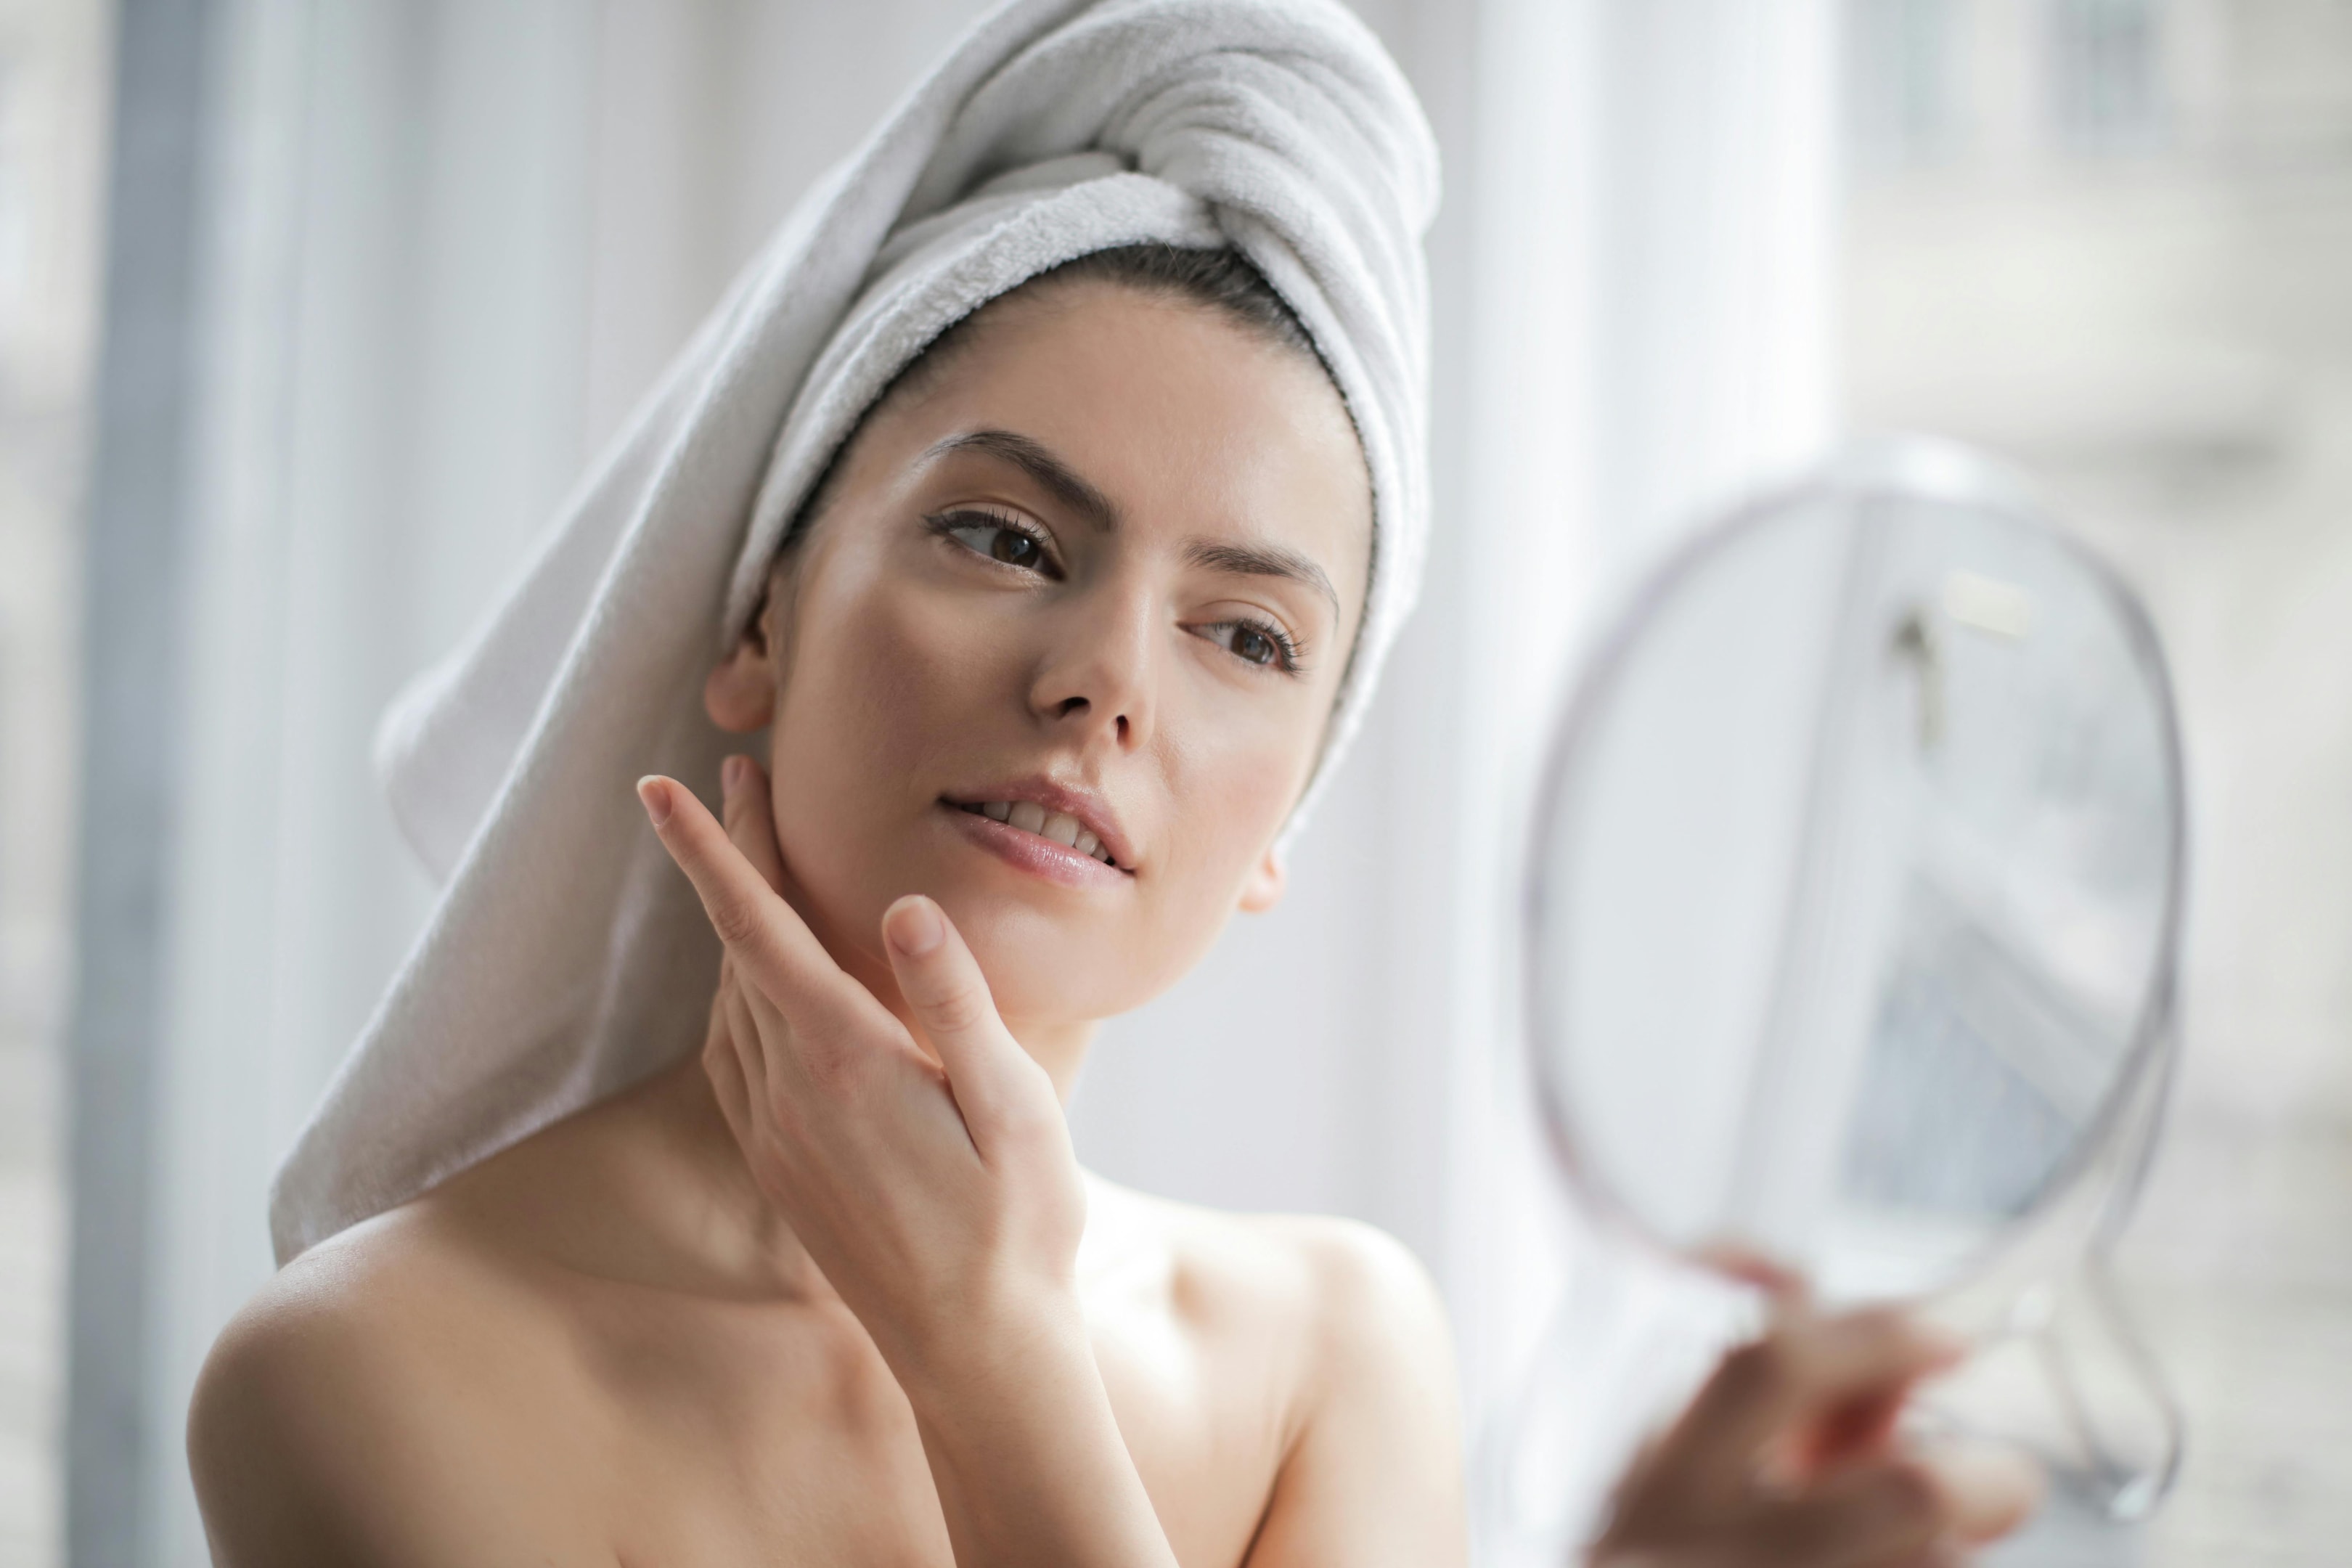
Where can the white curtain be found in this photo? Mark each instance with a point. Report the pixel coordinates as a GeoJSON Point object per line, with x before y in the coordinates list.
{"type": "Point", "coordinates": [453, 239]}
{"type": "Point", "coordinates": [1652, 220]}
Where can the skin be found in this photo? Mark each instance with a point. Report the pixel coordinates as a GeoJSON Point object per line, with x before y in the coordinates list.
{"type": "Point", "coordinates": [836, 1290]}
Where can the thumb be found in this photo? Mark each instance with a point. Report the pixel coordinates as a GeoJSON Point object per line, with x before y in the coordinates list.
{"type": "Point", "coordinates": [992, 1077]}
{"type": "Point", "coordinates": [1988, 1490]}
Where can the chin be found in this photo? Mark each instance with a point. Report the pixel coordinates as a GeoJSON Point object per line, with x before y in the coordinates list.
{"type": "Point", "coordinates": [1044, 966]}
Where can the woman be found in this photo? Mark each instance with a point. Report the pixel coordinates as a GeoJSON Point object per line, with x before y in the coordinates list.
{"type": "Point", "coordinates": [1062, 611]}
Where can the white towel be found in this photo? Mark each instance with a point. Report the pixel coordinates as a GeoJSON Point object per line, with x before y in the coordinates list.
{"type": "Point", "coordinates": [566, 959]}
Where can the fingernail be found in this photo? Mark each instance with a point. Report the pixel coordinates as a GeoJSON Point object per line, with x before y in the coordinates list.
{"type": "Point", "coordinates": [730, 774]}
{"type": "Point", "coordinates": [651, 790]}
{"type": "Point", "coordinates": [916, 928]}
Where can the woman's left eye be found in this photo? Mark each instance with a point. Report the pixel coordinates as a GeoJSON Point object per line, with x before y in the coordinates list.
{"type": "Point", "coordinates": [1254, 642]}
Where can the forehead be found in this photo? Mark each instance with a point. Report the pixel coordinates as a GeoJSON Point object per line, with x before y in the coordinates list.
{"type": "Point", "coordinates": [1194, 424]}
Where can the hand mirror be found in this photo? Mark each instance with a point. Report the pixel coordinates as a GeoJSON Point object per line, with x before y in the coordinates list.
{"type": "Point", "coordinates": [1855, 894]}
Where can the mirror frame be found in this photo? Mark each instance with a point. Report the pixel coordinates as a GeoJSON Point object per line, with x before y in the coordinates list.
{"type": "Point", "coordinates": [1910, 468]}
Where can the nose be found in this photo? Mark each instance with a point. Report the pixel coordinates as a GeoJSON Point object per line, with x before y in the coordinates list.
{"type": "Point", "coordinates": [1094, 685]}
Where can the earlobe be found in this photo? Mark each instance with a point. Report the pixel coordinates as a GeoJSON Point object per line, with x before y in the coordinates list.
{"type": "Point", "coordinates": [1268, 880]}
{"type": "Point", "coordinates": [741, 693]}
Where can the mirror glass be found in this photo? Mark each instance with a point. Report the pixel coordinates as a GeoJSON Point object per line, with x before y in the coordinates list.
{"type": "Point", "coordinates": [1857, 879]}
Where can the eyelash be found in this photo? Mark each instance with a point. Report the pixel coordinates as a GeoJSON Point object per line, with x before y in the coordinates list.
{"type": "Point", "coordinates": [950, 524]}
{"type": "Point", "coordinates": [1286, 651]}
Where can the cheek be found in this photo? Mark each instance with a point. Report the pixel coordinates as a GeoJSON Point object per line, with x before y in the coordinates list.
{"type": "Point", "coordinates": [880, 687]}
{"type": "Point", "coordinates": [895, 677]}
{"type": "Point", "coordinates": [887, 674]}
{"type": "Point", "coordinates": [1232, 781]}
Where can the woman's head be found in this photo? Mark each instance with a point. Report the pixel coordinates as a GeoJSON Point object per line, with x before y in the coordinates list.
{"type": "Point", "coordinates": [1099, 556]}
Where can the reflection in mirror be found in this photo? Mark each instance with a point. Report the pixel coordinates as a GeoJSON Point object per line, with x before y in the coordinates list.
{"type": "Point", "coordinates": [1855, 890]}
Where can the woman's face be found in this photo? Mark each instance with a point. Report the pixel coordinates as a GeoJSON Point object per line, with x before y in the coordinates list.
{"type": "Point", "coordinates": [1092, 578]}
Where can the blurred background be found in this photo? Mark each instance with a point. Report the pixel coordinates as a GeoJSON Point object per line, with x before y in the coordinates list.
{"type": "Point", "coordinates": [311, 309]}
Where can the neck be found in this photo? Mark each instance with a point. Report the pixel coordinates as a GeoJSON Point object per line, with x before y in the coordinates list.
{"type": "Point", "coordinates": [729, 1220]}
{"type": "Point", "coordinates": [1060, 1048]}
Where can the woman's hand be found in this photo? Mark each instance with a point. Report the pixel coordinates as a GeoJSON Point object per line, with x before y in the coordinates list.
{"type": "Point", "coordinates": [934, 1194]}
{"type": "Point", "coordinates": [940, 1198]}
{"type": "Point", "coordinates": [1789, 1456]}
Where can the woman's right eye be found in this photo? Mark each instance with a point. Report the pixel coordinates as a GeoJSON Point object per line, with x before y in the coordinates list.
{"type": "Point", "coordinates": [998, 537]}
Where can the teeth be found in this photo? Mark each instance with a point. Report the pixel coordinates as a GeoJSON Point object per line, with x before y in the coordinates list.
{"type": "Point", "coordinates": [1059, 827]}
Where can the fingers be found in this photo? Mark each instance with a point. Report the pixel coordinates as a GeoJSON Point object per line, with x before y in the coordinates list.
{"type": "Point", "coordinates": [1885, 1514]}
{"type": "Point", "coordinates": [1814, 1391]}
{"type": "Point", "coordinates": [750, 817]}
{"type": "Point", "coordinates": [1787, 1291]}
{"type": "Point", "coordinates": [1987, 1490]}
{"type": "Point", "coordinates": [1790, 1450]}
{"type": "Point", "coordinates": [1856, 1354]}
{"type": "Point", "coordinates": [944, 989]}
{"type": "Point", "coordinates": [750, 1061]}
{"type": "Point", "coordinates": [722, 1062]}
{"type": "Point", "coordinates": [734, 895]}
{"type": "Point", "coordinates": [1892, 1513]}
{"type": "Point", "coordinates": [770, 945]}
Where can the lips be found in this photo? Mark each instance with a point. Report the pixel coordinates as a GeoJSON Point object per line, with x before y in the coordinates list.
{"type": "Point", "coordinates": [1060, 827]}
{"type": "Point", "coordinates": [1072, 819]}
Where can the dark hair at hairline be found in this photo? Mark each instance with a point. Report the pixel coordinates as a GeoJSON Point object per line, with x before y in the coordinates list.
{"type": "Point", "coordinates": [1222, 281]}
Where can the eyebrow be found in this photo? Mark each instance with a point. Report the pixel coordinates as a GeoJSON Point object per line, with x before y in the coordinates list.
{"type": "Point", "coordinates": [1263, 561]}
{"type": "Point", "coordinates": [1056, 478]}
{"type": "Point", "coordinates": [1099, 511]}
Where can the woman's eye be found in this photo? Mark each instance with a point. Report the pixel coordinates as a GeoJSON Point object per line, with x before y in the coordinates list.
{"type": "Point", "coordinates": [997, 539]}
{"type": "Point", "coordinates": [1254, 643]}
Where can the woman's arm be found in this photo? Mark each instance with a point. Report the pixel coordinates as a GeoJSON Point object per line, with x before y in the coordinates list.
{"type": "Point", "coordinates": [1373, 1476]}
{"type": "Point", "coordinates": [940, 1199]}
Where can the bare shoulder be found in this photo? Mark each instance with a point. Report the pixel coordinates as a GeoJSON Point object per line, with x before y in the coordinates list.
{"type": "Point", "coordinates": [1376, 1330]}
{"type": "Point", "coordinates": [1353, 1299]}
{"type": "Point", "coordinates": [1344, 1318]}
{"type": "Point", "coordinates": [1366, 1283]}
{"type": "Point", "coordinates": [360, 1407]}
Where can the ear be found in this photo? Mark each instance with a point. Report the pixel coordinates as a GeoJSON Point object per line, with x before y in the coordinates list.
{"type": "Point", "coordinates": [1267, 881]}
{"type": "Point", "coordinates": [741, 693]}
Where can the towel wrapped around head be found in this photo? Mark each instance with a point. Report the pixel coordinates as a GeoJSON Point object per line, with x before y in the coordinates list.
{"type": "Point", "coordinates": [567, 959]}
